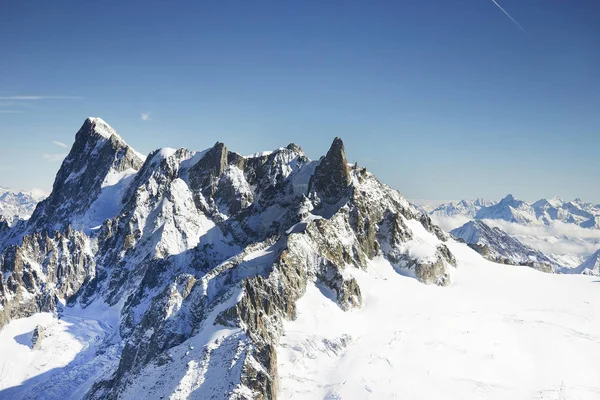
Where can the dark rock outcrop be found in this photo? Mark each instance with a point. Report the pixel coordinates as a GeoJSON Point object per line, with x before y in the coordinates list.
{"type": "Point", "coordinates": [332, 176]}
{"type": "Point", "coordinates": [205, 174]}
{"type": "Point", "coordinates": [37, 337]}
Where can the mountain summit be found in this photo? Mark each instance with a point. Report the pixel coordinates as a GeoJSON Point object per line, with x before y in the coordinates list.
{"type": "Point", "coordinates": [98, 157]}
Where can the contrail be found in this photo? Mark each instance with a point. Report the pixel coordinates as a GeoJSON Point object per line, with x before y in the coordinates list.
{"type": "Point", "coordinates": [510, 16]}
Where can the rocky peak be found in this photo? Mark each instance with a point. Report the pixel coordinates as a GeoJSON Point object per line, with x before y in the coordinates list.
{"type": "Point", "coordinates": [204, 175]}
{"type": "Point", "coordinates": [508, 199]}
{"type": "Point", "coordinates": [94, 127]}
{"type": "Point", "coordinates": [295, 148]}
{"type": "Point", "coordinates": [332, 177]}
{"type": "Point", "coordinates": [98, 151]}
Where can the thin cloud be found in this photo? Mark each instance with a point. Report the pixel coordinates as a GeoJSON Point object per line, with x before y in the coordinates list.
{"type": "Point", "coordinates": [145, 116]}
{"type": "Point", "coordinates": [60, 144]}
{"type": "Point", "coordinates": [54, 157]}
{"type": "Point", "coordinates": [510, 16]}
{"type": "Point", "coordinates": [556, 238]}
{"type": "Point", "coordinates": [26, 98]}
{"type": "Point", "coordinates": [15, 104]}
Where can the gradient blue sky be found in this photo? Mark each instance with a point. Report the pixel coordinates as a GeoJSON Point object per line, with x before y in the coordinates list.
{"type": "Point", "coordinates": [441, 99]}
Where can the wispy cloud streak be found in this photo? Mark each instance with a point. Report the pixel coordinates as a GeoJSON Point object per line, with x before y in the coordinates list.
{"type": "Point", "coordinates": [54, 157]}
{"type": "Point", "coordinates": [60, 144]}
{"type": "Point", "coordinates": [28, 98]}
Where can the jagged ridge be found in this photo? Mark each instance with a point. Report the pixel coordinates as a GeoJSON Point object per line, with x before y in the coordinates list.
{"type": "Point", "coordinates": [205, 242]}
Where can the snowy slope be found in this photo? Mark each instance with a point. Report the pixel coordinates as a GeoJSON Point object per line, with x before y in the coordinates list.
{"type": "Point", "coordinates": [468, 341]}
{"type": "Point", "coordinates": [71, 355]}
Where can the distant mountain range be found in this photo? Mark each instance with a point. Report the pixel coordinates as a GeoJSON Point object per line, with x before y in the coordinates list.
{"type": "Point", "coordinates": [513, 231]}
{"type": "Point", "coordinates": [18, 204]}
{"type": "Point", "coordinates": [541, 212]}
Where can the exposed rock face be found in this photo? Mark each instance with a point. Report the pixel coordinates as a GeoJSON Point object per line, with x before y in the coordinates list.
{"type": "Point", "coordinates": [41, 270]}
{"type": "Point", "coordinates": [206, 173]}
{"type": "Point", "coordinates": [211, 242]}
{"type": "Point", "coordinates": [4, 226]}
{"type": "Point", "coordinates": [332, 177]}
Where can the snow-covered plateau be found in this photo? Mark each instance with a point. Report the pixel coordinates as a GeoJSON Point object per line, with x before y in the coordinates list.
{"type": "Point", "coordinates": [497, 332]}
{"type": "Point", "coordinates": [211, 275]}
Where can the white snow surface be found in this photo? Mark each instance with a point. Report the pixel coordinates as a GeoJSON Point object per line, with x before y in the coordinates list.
{"type": "Point", "coordinates": [109, 202]}
{"type": "Point", "coordinates": [498, 332]}
{"type": "Point", "coordinates": [76, 350]}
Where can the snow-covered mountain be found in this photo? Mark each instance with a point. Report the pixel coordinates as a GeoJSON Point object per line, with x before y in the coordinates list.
{"type": "Point", "coordinates": [510, 209]}
{"type": "Point", "coordinates": [577, 212]}
{"type": "Point", "coordinates": [566, 232]}
{"type": "Point", "coordinates": [18, 204]}
{"type": "Point", "coordinates": [467, 208]}
{"type": "Point", "coordinates": [591, 266]}
{"type": "Point", "coordinates": [178, 269]}
{"type": "Point", "coordinates": [498, 246]}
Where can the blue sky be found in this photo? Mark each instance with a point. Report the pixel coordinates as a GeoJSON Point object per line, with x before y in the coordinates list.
{"type": "Point", "coordinates": [441, 99]}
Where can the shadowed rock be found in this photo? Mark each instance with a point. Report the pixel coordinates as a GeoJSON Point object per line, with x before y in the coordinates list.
{"type": "Point", "coordinates": [332, 176]}
{"type": "Point", "coordinates": [204, 175]}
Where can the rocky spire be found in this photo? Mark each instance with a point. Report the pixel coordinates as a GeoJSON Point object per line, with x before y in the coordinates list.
{"type": "Point", "coordinates": [205, 173]}
{"type": "Point", "coordinates": [332, 176]}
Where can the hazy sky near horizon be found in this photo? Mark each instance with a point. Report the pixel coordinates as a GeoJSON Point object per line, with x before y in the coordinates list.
{"type": "Point", "coordinates": [440, 99]}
